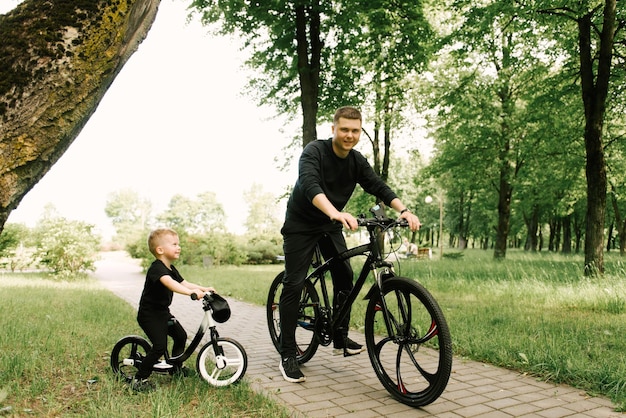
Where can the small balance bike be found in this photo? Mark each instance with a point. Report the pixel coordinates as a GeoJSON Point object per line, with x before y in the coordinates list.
{"type": "Point", "coordinates": [221, 361]}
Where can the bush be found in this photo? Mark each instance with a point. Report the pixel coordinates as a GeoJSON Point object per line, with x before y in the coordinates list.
{"type": "Point", "coordinates": [67, 247]}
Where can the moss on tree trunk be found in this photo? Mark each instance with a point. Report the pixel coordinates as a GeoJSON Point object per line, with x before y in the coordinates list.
{"type": "Point", "coordinates": [57, 60]}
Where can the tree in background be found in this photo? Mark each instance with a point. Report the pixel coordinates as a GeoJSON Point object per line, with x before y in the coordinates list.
{"type": "Point", "coordinates": [67, 247]}
{"type": "Point", "coordinates": [534, 131]}
{"type": "Point", "coordinates": [17, 252]}
{"type": "Point", "coordinates": [194, 216]}
{"type": "Point", "coordinates": [596, 23]}
{"type": "Point", "coordinates": [263, 238]}
{"type": "Point", "coordinates": [285, 40]}
{"type": "Point", "coordinates": [130, 215]}
{"type": "Point", "coordinates": [323, 55]}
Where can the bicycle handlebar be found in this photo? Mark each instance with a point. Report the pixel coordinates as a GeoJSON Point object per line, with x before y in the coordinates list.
{"type": "Point", "coordinates": [194, 295]}
{"type": "Point", "coordinates": [385, 223]}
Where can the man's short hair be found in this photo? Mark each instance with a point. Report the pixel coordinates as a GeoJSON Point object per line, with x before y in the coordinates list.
{"type": "Point", "coordinates": [347, 112]}
{"type": "Point", "coordinates": [154, 239]}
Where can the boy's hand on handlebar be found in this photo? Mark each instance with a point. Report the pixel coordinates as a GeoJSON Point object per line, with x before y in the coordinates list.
{"type": "Point", "coordinates": [348, 221]}
{"type": "Point", "coordinates": [413, 220]}
{"type": "Point", "coordinates": [197, 294]}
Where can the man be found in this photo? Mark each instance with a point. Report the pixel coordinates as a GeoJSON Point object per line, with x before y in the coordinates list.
{"type": "Point", "coordinates": [328, 173]}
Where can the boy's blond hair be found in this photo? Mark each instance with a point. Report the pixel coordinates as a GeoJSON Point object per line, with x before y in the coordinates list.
{"type": "Point", "coordinates": [154, 239]}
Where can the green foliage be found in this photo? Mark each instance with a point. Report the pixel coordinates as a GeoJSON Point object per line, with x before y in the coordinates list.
{"type": "Point", "coordinates": [263, 217]}
{"type": "Point", "coordinates": [264, 248]}
{"type": "Point", "coordinates": [200, 215]}
{"type": "Point", "coordinates": [67, 247]}
{"type": "Point", "coordinates": [17, 252]}
{"type": "Point", "coordinates": [11, 236]}
{"type": "Point", "coordinates": [138, 248]}
{"type": "Point", "coordinates": [129, 213]}
{"type": "Point", "coordinates": [214, 248]}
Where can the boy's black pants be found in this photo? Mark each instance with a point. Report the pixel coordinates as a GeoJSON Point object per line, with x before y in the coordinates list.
{"type": "Point", "coordinates": [155, 325]}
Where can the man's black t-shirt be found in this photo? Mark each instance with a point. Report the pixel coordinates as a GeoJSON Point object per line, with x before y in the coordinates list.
{"type": "Point", "coordinates": [155, 296]}
{"type": "Point", "coordinates": [322, 171]}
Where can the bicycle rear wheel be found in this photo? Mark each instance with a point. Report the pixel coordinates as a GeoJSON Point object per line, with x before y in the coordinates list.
{"type": "Point", "coordinates": [306, 341]}
{"type": "Point", "coordinates": [412, 353]}
{"type": "Point", "coordinates": [127, 355]}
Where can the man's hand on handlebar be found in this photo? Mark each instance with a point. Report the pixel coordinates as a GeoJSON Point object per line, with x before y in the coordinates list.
{"type": "Point", "coordinates": [348, 221]}
{"type": "Point", "coordinates": [413, 220]}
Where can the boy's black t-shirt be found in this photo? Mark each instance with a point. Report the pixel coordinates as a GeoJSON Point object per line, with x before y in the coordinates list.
{"type": "Point", "coordinates": [155, 296]}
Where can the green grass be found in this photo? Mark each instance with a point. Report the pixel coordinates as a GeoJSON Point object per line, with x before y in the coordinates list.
{"type": "Point", "coordinates": [534, 313]}
{"type": "Point", "coordinates": [54, 359]}
{"type": "Point", "coordinates": [537, 314]}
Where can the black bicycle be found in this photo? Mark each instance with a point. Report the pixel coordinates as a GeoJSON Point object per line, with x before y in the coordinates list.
{"type": "Point", "coordinates": [221, 361]}
{"type": "Point", "coordinates": [407, 337]}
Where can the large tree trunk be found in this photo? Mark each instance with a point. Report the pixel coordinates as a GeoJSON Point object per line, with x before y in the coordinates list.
{"type": "Point", "coordinates": [309, 50]}
{"type": "Point", "coordinates": [57, 60]}
{"type": "Point", "coordinates": [504, 213]}
{"type": "Point", "coordinates": [532, 225]}
{"type": "Point", "coordinates": [505, 158]}
{"type": "Point", "coordinates": [621, 226]}
{"type": "Point", "coordinates": [567, 235]}
{"type": "Point", "coordinates": [594, 93]}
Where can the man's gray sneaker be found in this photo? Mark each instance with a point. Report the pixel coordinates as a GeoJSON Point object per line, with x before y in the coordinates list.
{"type": "Point", "coordinates": [291, 371]}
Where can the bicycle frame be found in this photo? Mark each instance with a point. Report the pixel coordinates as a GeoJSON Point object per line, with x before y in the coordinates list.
{"type": "Point", "coordinates": [207, 323]}
{"type": "Point", "coordinates": [372, 263]}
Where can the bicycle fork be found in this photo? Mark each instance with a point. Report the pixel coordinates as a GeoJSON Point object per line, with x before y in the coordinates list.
{"type": "Point", "coordinates": [220, 359]}
{"type": "Point", "coordinates": [385, 273]}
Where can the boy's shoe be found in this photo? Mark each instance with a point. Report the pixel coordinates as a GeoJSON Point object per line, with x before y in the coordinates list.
{"type": "Point", "coordinates": [184, 372]}
{"type": "Point", "coordinates": [142, 385]}
{"type": "Point", "coordinates": [291, 371]}
{"type": "Point", "coordinates": [352, 348]}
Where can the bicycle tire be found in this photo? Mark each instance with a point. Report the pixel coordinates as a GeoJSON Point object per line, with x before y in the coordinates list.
{"type": "Point", "coordinates": [306, 340]}
{"type": "Point", "coordinates": [127, 355]}
{"type": "Point", "coordinates": [414, 362]}
{"type": "Point", "coordinates": [226, 370]}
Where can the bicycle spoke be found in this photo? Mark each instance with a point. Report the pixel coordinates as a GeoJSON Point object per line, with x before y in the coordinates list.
{"type": "Point", "coordinates": [222, 370]}
{"type": "Point", "coordinates": [306, 341]}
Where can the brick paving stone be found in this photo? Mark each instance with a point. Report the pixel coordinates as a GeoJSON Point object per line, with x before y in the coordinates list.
{"type": "Point", "coordinates": [346, 387]}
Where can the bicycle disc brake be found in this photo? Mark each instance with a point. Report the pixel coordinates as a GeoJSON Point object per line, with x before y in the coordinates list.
{"type": "Point", "coordinates": [322, 327]}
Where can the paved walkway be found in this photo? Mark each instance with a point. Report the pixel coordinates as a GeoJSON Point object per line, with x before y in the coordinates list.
{"type": "Point", "coordinates": [347, 387]}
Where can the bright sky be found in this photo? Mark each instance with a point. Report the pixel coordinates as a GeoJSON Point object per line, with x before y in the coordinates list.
{"type": "Point", "coordinates": [173, 122]}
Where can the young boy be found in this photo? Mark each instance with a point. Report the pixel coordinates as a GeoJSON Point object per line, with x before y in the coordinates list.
{"type": "Point", "coordinates": [162, 280]}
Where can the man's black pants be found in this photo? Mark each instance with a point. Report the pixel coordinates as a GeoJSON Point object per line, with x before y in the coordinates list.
{"type": "Point", "coordinates": [299, 250]}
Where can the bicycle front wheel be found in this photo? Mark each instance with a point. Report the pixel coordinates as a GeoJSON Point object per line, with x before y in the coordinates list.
{"type": "Point", "coordinates": [409, 343]}
{"type": "Point", "coordinates": [224, 365]}
{"type": "Point", "coordinates": [308, 312]}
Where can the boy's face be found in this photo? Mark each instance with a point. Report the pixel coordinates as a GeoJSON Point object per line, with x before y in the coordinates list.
{"type": "Point", "coordinates": [169, 247]}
